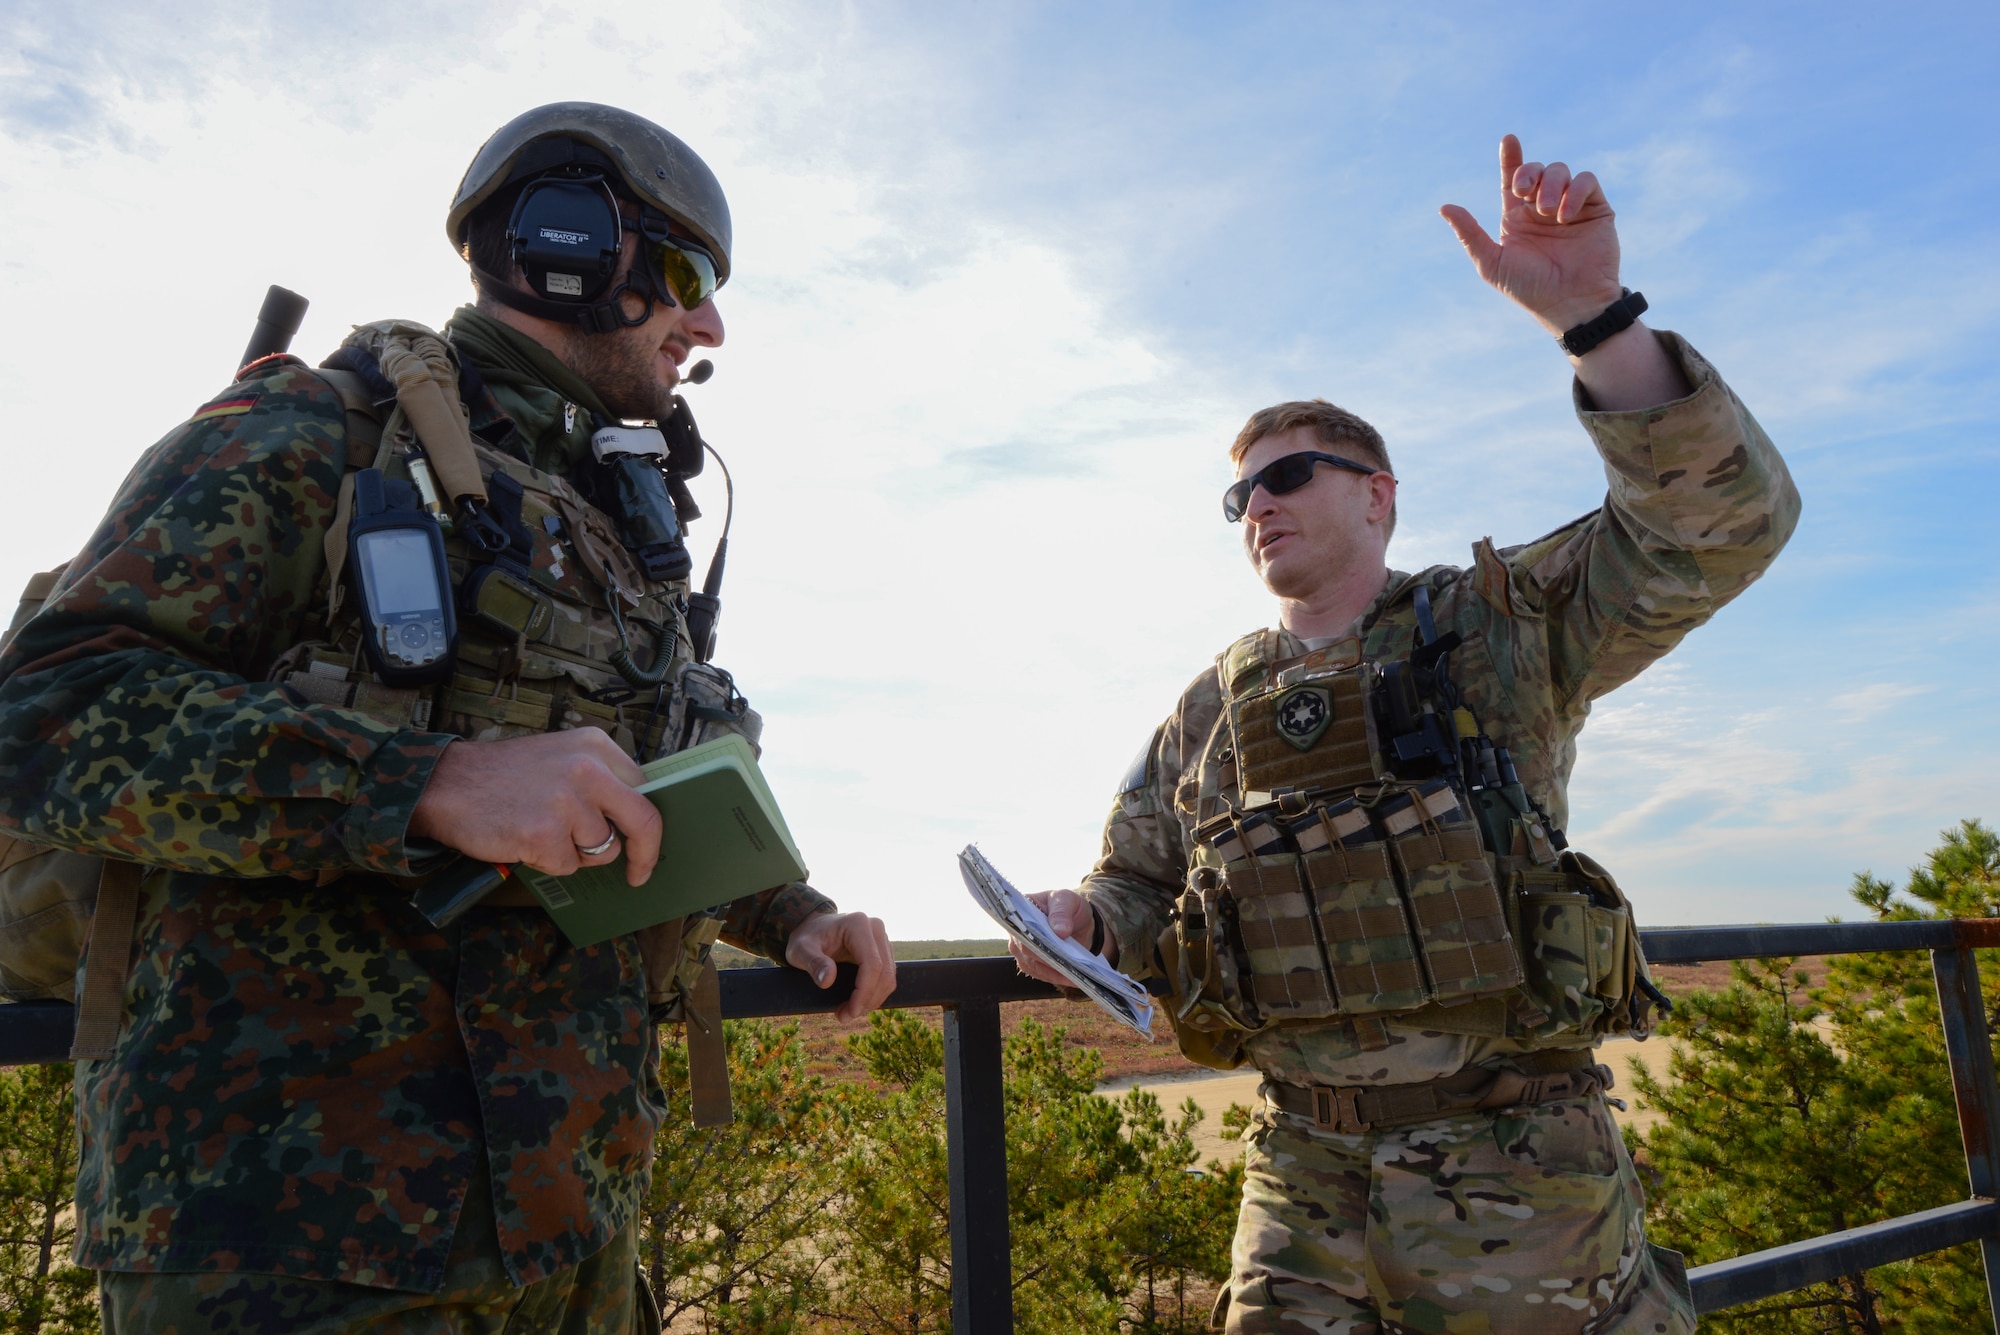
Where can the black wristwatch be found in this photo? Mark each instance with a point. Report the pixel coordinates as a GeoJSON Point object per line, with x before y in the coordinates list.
{"type": "Point", "coordinates": [1615, 318]}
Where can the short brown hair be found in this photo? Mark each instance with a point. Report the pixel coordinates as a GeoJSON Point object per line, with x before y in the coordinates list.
{"type": "Point", "coordinates": [1333, 425]}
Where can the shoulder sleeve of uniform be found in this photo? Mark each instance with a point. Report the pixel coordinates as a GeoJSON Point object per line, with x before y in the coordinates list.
{"type": "Point", "coordinates": [141, 682]}
{"type": "Point", "coordinates": [1699, 505]}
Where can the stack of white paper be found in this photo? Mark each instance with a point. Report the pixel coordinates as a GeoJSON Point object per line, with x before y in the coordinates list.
{"type": "Point", "coordinates": [1124, 999]}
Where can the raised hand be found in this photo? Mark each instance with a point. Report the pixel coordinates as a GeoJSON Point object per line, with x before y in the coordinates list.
{"type": "Point", "coordinates": [1557, 255]}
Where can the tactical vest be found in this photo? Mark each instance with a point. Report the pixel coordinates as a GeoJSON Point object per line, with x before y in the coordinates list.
{"type": "Point", "coordinates": [1323, 888]}
{"type": "Point", "coordinates": [566, 633]}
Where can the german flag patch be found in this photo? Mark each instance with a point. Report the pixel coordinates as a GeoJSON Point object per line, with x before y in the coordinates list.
{"type": "Point", "coordinates": [224, 408]}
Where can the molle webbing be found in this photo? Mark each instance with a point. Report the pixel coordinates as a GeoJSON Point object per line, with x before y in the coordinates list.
{"type": "Point", "coordinates": [1342, 891]}
{"type": "Point", "coordinates": [1452, 895]}
{"type": "Point", "coordinates": [1370, 949]}
{"type": "Point", "coordinates": [1341, 757]}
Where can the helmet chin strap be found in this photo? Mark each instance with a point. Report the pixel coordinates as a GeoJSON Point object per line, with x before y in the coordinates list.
{"type": "Point", "coordinates": [598, 317]}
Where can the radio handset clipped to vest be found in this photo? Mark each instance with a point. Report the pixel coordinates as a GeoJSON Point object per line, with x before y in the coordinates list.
{"type": "Point", "coordinates": [630, 481]}
{"type": "Point", "coordinates": [1415, 705]}
{"type": "Point", "coordinates": [395, 554]}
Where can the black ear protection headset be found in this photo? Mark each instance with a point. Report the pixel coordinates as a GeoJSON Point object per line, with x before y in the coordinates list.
{"type": "Point", "coordinates": [566, 233]}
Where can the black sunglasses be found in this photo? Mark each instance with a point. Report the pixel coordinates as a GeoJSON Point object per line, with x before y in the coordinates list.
{"type": "Point", "coordinates": [1282, 475]}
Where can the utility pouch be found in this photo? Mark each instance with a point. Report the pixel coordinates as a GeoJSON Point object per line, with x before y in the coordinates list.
{"type": "Point", "coordinates": [47, 896]}
{"type": "Point", "coordinates": [1581, 946]}
{"type": "Point", "coordinates": [505, 603]}
{"type": "Point", "coordinates": [1211, 978]}
{"type": "Point", "coordinates": [706, 706]}
{"type": "Point", "coordinates": [1454, 901]}
{"type": "Point", "coordinates": [1205, 1037]}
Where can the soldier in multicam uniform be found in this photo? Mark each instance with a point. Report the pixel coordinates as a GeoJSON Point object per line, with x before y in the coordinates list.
{"type": "Point", "coordinates": [323, 1113]}
{"type": "Point", "coordinates": [1340, 858]}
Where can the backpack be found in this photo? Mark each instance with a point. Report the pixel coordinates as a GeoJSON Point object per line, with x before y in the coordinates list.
{"type": "Point", "coordinates": [49, 902]}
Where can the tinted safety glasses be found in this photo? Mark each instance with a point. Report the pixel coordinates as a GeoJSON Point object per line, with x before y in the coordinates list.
{"type": "Point", "coordinates": [685, 269]}
{"type": "Point", "coordinates": [682, 268]}
{"type": "Point", "coordinates": [1282, 475]}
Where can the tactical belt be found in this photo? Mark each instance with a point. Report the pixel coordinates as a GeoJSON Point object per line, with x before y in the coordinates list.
{"type": "Point", "coordinates": [1354, 1109]}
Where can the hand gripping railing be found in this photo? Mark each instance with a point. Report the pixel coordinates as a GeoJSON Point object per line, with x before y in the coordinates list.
{"type": "Point", "coordinates": [971, 991]}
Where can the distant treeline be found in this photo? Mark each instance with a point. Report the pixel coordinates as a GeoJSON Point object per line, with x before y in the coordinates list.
{"type": "Point", "coordinates": [728, 957]}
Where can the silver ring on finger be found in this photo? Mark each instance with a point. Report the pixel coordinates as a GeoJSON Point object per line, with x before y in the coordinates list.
{"type": "Point", "coordinates": [598, 849]}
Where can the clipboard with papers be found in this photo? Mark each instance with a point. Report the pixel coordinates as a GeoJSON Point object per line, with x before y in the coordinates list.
{"type": "Point", "coordinates": [1123, 999]}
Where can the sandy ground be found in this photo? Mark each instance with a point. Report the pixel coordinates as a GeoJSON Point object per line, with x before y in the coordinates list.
{"type": "Point", "coordinates": [1214, 1091]}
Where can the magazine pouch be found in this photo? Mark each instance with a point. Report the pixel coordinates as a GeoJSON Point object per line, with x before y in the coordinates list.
{"type": "Point", "coordinates": [1370, 949]}
{"type": "Point", "coordinates": [1281, 947]}
{"type": "Point", "coordinates": [1453, 898]}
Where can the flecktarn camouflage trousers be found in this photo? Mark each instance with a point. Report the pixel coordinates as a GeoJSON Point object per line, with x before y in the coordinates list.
{"type": "Point", "coordinates": [605, 1295]}
{"type": "Point", "coordinates": [1529, 1221]}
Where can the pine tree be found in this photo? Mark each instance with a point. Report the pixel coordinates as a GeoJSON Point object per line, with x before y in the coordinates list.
{"type": "Point", "coordinates": [1794, 1112]}
{"type": "Point", "coordinates": [734, 1213]}
{"type": "Point", "coordinates": [41, 1293]}
{"type": "Point", "coordinates": [1101, 1202]}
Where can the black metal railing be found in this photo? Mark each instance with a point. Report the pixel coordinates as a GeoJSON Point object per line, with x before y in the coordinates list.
{"type": "Point", "coordinates": [971, 992]}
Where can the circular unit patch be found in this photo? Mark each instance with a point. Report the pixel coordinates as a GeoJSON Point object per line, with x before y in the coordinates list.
{"type": "Point", "coordinates": [1302, 715]}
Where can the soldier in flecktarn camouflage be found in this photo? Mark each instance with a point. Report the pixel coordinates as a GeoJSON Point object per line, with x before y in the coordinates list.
{"type": "Point", "coordinates": [1340, 859]}
{"type": "Point", "coordinates": [322, 1112]}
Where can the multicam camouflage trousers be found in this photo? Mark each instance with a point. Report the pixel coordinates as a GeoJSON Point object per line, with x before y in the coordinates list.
{"type": "Point", "coordinates": [1527, 1221]}
{"type": "Point", "coordinates": [603, 1296]}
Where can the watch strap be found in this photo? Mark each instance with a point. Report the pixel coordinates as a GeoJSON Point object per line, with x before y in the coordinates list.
{"type": "Point", "coordinates": [1615, 318]}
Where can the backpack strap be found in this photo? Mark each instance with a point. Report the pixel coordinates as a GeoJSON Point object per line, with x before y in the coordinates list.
{"type": "Point", "coordinates": [364, 415]}
{"type": "Point", "coordinates": [100, 1003]}
{"type": "Point", "coordinates": [424, 371]}
{"type": "Point", "coordinates": [708, 1055]}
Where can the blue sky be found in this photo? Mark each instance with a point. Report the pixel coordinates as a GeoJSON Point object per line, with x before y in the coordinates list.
{"type": "Point", "coordinates": [1008, 279]}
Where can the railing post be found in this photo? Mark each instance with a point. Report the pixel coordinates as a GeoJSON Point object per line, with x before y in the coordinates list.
{"type": "Point", "coordinates": [982, 1279]}
{"type": "Point", "coordinates": [1963, 1010]}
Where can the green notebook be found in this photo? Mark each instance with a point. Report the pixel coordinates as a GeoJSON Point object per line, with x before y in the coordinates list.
{"type": "Point", "coordinates": [723, 837]}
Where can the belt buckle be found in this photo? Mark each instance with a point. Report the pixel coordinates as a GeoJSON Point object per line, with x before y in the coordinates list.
{"type": "Point", "coordinates": [1338, 1108]}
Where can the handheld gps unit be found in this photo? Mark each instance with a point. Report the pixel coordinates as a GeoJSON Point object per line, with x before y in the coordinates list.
{"type": "Point", "coordinates": [395, 553]}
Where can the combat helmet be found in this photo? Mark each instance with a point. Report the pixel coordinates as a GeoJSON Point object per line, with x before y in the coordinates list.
{"type": "Point", "coordinates": [673, 186]}
{"type": "Point", "coordinates": [655, 166]}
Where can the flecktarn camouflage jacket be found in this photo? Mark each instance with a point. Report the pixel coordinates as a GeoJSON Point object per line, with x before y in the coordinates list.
{"type": "Point", "coordinates": [309, 1072]}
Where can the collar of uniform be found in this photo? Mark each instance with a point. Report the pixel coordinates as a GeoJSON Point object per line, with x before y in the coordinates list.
{"type": "Point", "coordinates": [531, 386]}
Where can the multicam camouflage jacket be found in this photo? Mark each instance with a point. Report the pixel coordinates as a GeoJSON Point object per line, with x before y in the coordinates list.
{"type": "Point", "coordinates": [309, 1071]}
{"type": "Point", "coordinates": [1699, 505]}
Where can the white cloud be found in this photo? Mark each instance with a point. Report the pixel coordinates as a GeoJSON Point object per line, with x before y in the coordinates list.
{"type": "Point", "coordinates": [997, 310]}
